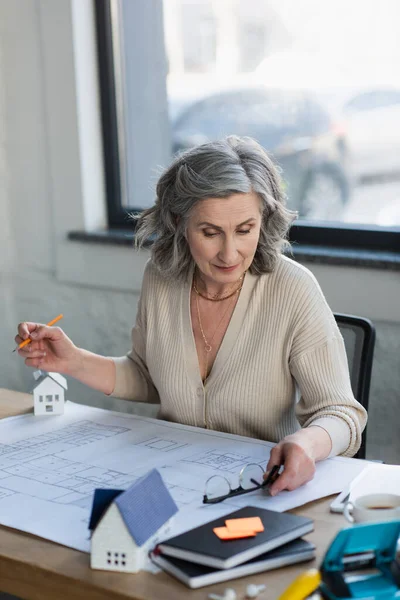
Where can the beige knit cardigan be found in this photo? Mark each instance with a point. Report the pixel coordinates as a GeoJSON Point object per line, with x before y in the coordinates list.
{"type": "Point", "coordinates": [281, 365]}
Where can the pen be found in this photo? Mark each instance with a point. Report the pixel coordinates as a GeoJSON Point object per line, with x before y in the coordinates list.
{"type": "Point", "coordinates": [28, 340]}
{"type": "Point", "coordinates": [272, 476]}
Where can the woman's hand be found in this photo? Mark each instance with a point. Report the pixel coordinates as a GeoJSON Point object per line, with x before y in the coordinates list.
{"type": "Point", "coordinates": [298, 454]}
{"type": "Point", "coordinates": [50, 349]}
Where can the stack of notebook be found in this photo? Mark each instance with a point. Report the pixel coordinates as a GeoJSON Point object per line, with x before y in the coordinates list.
{"type": "Point", "coordinates": [201, 557]}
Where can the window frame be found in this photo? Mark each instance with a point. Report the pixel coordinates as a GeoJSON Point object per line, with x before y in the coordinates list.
{"type": "Point", "coordinates": [108, 105]}
{"type": "Point", "coordinates": [303, 232]}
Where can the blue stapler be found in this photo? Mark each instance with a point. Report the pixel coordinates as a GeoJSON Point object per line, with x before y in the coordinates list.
{"type": "Point", "coordinates": [360, 563]}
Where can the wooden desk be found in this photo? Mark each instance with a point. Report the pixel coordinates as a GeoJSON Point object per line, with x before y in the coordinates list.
{"type": "Point", "coordinates": [37, 569]}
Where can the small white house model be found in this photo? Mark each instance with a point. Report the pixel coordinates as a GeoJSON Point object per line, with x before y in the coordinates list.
{"type": "Point", "coordinates": [126, 525]}
{"type": "Point", "coordinates": [49, 393]}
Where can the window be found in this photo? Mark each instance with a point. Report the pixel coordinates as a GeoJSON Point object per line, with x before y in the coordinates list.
{"type": "Point", "coordinates": [328, 112]}
{"type": "Point", "coordinates": [49, 398]}
{"type": "Point", "coordinates": [119, 558]}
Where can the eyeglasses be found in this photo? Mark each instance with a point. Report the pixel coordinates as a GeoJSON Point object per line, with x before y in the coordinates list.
{"type": "Point", "coordinates": [218, 488]}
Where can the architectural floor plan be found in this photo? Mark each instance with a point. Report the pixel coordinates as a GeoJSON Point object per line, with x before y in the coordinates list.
{"type": "Point", "coordinates": [50, 466]}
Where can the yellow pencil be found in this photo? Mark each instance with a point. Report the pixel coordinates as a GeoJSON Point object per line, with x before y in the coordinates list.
{"type": "Point", "coordinates": [304, 585]}
{"type": "Point", "coordinates": [28, 340]}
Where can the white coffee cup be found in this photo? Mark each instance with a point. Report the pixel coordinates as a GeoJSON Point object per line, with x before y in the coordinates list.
{"type": "Point", "coordinates": [373, 507]}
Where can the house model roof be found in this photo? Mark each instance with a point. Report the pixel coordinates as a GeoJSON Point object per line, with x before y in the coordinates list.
{"type": "Point", "coordinates": [101, 501]}
{"type": "Point", "coordinates": [42, 375]}
{"type": "Point", "coordinates": [144, 507]}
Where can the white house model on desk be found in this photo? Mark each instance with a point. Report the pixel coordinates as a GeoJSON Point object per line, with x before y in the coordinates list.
{"type": "Point", "coordinates": [126, 525]}
{"type": "Point", "coordinates": [49, 393]}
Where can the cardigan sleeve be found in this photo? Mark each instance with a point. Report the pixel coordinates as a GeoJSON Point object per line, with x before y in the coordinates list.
{"type": "Point", "coordinates": [326, 396]}
{"type": "Point", "coordinates": [318, 363]}
{"type": "Point", "coordinates": [132, 378]}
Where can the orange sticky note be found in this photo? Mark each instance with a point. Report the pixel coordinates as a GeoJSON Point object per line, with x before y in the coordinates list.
{"type": "Point", "coordinates": [224, 534]}
{"type": "Point", "coordinates": [249, 524]}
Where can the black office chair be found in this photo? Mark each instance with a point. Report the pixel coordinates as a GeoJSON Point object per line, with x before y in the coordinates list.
{"type": "Point", "coordinates": [359, 339]}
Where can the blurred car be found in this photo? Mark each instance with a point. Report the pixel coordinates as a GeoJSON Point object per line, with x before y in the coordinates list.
{"type": "Point", "coordinates": [371, 132]}
{"type": "Point", "coordinates": [292, 126]}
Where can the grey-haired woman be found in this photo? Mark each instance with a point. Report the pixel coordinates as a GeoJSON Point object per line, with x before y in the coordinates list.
{"type": "Point", "coordinates": [230, 334]}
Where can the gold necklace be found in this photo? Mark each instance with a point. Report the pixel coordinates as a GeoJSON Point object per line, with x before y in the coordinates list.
{"type": "Point", "coordinates": [214, 298]}
{"type": "Point", "coordinates": [207, 344]}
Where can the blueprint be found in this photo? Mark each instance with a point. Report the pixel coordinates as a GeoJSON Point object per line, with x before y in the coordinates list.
{"type": "Point", "coordinates": [50, 466]}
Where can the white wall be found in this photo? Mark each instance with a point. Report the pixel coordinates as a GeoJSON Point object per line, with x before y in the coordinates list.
{"type": "Point", "coordinates": [50, 175]}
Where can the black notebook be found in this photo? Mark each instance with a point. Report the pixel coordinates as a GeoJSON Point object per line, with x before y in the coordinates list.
{"type": "Point", "coordinates": [202, 546]}
{"type": "Point", "coordinates": [195, 576]}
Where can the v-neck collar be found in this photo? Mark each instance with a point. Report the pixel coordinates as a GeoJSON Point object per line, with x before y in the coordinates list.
{"type": "Point", "coordinates": [230, 337]}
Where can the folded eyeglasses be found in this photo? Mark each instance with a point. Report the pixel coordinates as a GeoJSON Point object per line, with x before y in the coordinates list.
{"type": "Point", "coordinates": [218, 488]}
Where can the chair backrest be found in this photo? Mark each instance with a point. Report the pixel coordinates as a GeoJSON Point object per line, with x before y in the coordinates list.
{"type": "Point", "coordinates": [359, 339]}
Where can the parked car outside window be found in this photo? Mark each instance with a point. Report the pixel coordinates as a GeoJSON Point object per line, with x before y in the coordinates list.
{"type": "Point", "coordinates": [371, 122]}
{"type": "Point", "coordinates": [292, 126]}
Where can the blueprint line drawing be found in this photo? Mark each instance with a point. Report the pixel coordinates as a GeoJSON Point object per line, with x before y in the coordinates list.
{"type": "Point", "coordinates": [162, 444]}
{"type": "Point", "coordinates": [5, 493]}
{"type": "Point", "coordinates": [49, 469]}
{"type": "Point", "coordinates": [222, 461]}
{"type": "Point", "coordinates": [70, 481]}
{"type": "Point", "coordinates": [182, 496]}
{"type": "Point", "coordinates": [4, 449]}
{"type": "Point", "coordinates": [83, 432]}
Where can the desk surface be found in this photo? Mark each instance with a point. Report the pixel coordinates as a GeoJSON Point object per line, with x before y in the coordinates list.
{"type": "Point", "coordinates": [33, 568]}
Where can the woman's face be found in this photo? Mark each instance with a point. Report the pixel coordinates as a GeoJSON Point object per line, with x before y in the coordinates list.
{"type": "Point", "coordinates": [223, 234]}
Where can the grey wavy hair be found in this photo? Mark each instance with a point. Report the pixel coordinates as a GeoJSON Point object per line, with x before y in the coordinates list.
{"type": "Point", "coordinates": [214, 170]}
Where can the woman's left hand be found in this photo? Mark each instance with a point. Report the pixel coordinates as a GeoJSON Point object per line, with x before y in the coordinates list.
{"type": "Point", "coordinates": [298, 453]}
